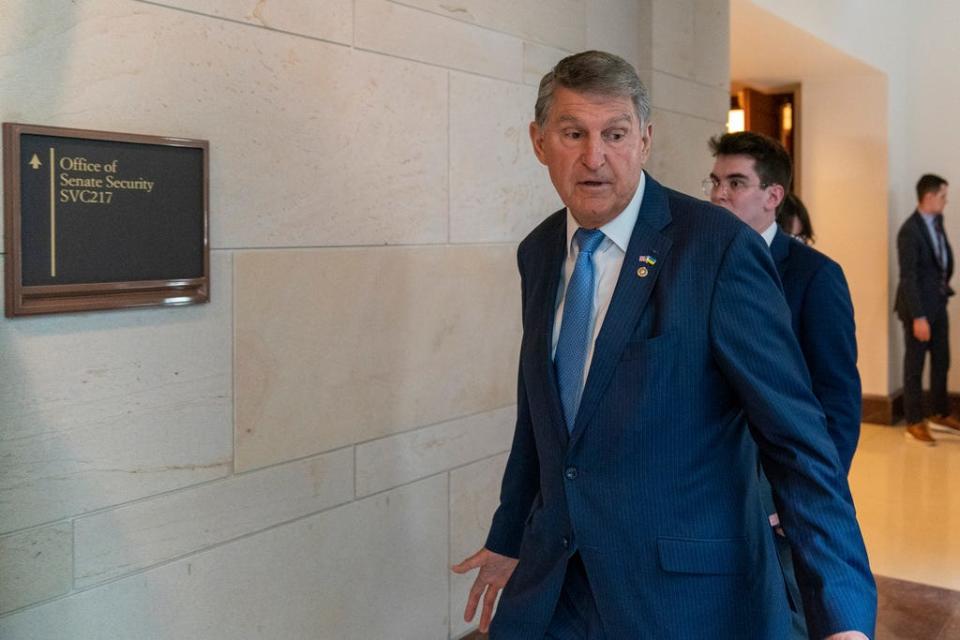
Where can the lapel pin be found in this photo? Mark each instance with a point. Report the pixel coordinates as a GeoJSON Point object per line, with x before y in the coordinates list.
{"type": "Point", "coordinates": [650, 260]}
{"type": "Point", "coordinates": [642, 272]}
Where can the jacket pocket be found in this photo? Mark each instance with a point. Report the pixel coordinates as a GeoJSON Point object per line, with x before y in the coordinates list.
{"type": "Point", "coordinates": [726, 556]}
{"type": "Point", "coordinates": [652, 348]}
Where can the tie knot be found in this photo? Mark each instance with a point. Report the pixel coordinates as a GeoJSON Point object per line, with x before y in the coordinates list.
{"type": "Point", "coordinates": [588, 239]}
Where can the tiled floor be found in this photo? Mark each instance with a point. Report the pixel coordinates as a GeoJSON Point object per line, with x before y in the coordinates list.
{"type": "Point", "coordinates": [911, 611]}
{"type": "Point", "coordinates": [908, 503]}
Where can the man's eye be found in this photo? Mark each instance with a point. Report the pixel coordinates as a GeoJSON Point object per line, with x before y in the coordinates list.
{"type": "Point", "coordinates": [571, 134]}
{"type": "Point", "coordinates": [615, 136]}
{"type": "Point", "coordinates": [735, 184]}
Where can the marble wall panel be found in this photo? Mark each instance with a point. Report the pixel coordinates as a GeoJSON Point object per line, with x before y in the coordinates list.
{"type": "Point", "coordinates": [112, 543]}
{"type": "Point", "coordinates": [691, 40]}
{"type": "Point", "coordinates": [553, 22]}
{"type": "Point", "coordinates": [538, 59]}
{"type": "Point", "coordinates": [35, 565]}
{"type": "Point", "coordinates": [680, 158]}
{"type": "Point", "coordinates": [621, 27]}
{"type": "Point", "coordinates": [672, 49]}
{"type": "Point", "coordinates": [311, 143]}
{"type": "Point", "coordinates": [100, 408]}
{"type": "Point", "coordinates": [376, 568]}
{"type": "Point", "coordinates": [711, 55]}
{"type": "Point", "coordinates": [340, 346]}
{"type": "Point", "coordinates": [387, 27]}
{"type": "Point", "coordinates": [671, 93]}
{"type": "Point", "coordinates": [325, 19]}
{"type": "Point", "coordinates": [499, 191]}
{"type": "Point", "coordinates": [474, 496]}
{"type": "Point", "coordinates": [395, 460]}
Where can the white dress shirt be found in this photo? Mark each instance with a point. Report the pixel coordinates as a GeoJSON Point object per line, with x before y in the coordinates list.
{"type": "Point", "coordinates": [770, 233]}
{"type": "Point", "coordinates": [607, 261]}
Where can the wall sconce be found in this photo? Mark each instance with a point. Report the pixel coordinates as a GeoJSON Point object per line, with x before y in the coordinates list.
{"type": "Point", "coordinates": [736, 117]}
{"type": "Point", "coordinates": [786, 117]}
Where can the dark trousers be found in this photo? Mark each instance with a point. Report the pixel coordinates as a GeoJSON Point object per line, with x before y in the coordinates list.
{"type": "Point", "coordinates": [576, 616]}
{"type": "Point", "coordinates": [913, 357]}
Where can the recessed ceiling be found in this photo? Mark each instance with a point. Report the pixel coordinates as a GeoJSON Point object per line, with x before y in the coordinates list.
{"type": "Point", "coordinates": [766, 52]}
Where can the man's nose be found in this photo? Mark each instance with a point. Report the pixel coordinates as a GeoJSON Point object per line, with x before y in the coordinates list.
{"type": "Point", "coordinates": [594, 154]}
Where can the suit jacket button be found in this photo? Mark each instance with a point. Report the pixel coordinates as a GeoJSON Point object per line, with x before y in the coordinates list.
{"type": "Point", "coordinates": [571, 473]}
{"type": "Point", "coordinates": [565, 542]}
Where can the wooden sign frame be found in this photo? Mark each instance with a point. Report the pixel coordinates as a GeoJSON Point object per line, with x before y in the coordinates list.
{"type": "Point", "coordinates": [113, 289]}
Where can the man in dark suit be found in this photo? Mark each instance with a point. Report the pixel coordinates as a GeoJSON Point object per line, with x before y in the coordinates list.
{"type": "Point", "coordinates": [655, 336]}
{"type": "Point", "coordinates": [926, 265]}
{"type": "Point", "coordinates": [815, 289]}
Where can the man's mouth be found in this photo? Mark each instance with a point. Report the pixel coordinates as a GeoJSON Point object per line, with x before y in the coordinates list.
{"type": "Point", "coordinates": [592, 184]}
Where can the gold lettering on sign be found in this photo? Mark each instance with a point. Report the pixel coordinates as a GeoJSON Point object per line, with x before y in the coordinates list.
{"type": "Point", "coordinates": [90, 188]}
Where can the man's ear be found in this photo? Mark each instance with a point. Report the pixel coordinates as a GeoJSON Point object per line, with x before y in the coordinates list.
{"type": "Point", "coordinates": [646, 141]}
{"type": "Point", "coordinates": [775, 194]}
{"type": "Point", "coordinates": [536, 138]}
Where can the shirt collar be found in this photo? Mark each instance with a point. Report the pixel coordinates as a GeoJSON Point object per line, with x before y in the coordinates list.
{"type": "Point", "coordinates": [621, 227]}
{"type": "Point", "coordinates": [770, 233]}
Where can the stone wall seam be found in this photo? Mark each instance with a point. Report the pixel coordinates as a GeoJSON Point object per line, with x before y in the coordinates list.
{"type": "Point", "coordinates": [687, 115]}
{"type": "Point", "coordinates": [431, 425]}
{"type": "Point", "coordinates": [394, 56]}
{"type": "Point", "coordinates": [205, 548]}
{"type": "Point", "coordinates": [449, 160]}
{"type": "Point", "coordinates": [208, 16]}
{"type": "Point", "coordinates": [477, 24]}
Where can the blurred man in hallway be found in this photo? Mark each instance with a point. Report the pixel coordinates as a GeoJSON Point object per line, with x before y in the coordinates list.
{"type": "Point", "coordinates": [926, 264]}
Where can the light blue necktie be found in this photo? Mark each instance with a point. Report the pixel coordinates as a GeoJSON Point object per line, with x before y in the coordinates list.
{"type": "Point", "coordinates": [575, 325]}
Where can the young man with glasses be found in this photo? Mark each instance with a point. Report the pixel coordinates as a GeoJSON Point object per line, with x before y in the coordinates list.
{"type": "Point", "coordinates": [751, 177]}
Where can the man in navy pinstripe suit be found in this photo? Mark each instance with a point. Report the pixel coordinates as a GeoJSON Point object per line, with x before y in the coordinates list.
{"type": "Point", "coordinates": [750, 177]}
{"type": "Point", "coordinates": [638, 514]}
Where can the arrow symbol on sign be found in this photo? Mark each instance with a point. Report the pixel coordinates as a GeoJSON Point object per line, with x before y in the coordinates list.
{"type": "Point", "coordinates": [35, 162]}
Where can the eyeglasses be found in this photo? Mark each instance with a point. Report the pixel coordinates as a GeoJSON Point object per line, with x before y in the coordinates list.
{"type": "Point", "coordinates": [730, 185]}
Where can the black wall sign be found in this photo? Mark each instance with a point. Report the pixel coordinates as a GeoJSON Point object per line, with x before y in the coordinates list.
{"type": "Point", "coordinates": [98, 220]}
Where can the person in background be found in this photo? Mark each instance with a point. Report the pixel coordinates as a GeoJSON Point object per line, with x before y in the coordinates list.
{"type": "Point", "coordinates": [794, 219]}
{"type": "Point", "coordinates": [751, 175]}
{"type": "Point", "coordinates": [926, 265]}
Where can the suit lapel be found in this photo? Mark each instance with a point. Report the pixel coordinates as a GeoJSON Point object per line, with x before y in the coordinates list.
{"type": "Point", "coordinates": [947, 268]}
{"type": "Point", "coordinates": [629, 298]}
{"type": "Point", "coordinates": [780, 250]}
{"type": "Point", "coordinates": [925, 234]}
{"type": "Point", "coordinates": [543, 302]}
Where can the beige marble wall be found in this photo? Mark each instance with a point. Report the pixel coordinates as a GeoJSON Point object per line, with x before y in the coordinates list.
{"type": "Point", "coordinates": [329, 431]}
{"type": "Point", "coordinates": [689, 76]}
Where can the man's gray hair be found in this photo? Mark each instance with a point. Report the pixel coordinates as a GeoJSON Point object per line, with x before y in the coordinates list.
{"type": "Point", "coordinates": [595, 72]}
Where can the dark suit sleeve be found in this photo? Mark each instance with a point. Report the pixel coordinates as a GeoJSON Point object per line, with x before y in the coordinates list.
{"type": "Point", "coordinates": [909, 246]}
{"type": "Point", "coordinates": [829, 344]}
{"type": "Point", "coordinates": [755, 347]}
{"type": "Point", "coordinates": [522, 475]}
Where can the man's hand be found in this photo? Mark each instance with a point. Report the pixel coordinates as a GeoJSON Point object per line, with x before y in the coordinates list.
{"type": "Point", "coordinates": [921, 329]}
{"type": "Point", "coordinates": [848, 635]}
{"type": "Point", "coordinates": [495, 570]}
